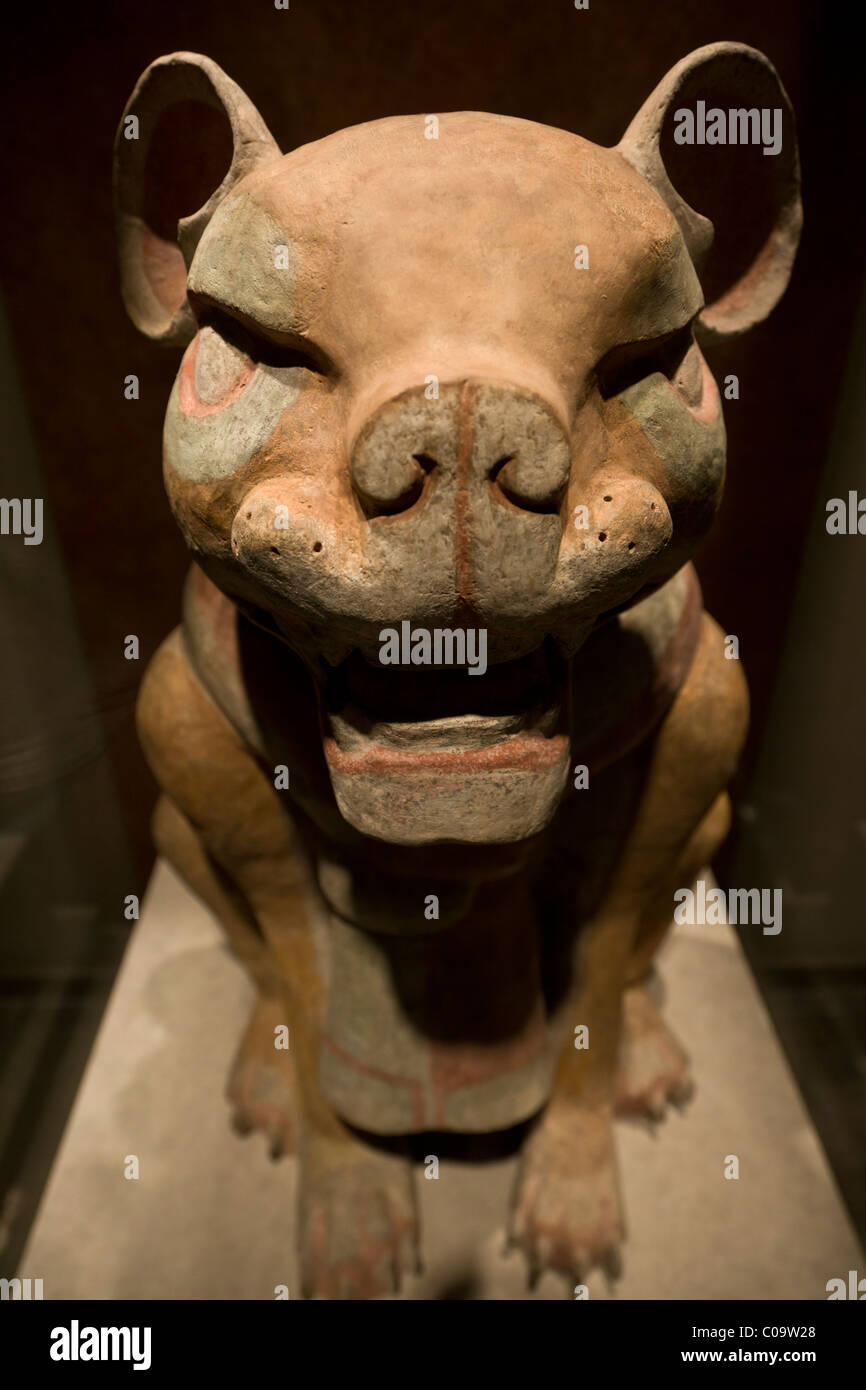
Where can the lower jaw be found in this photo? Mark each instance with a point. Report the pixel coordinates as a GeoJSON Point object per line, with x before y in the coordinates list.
{"type": "Point", "coordinates": [497, 795]}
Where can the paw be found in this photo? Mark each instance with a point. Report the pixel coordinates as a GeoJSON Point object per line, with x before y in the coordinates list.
{"type": "Point", "coordinates": [262, 1084]}
{"type": "Point", "coordinates": [358, 1220]}
{"type": "Point", "coordinates": [654, 1069]}
{"type": "Point", "coordinates": [567, 1213]}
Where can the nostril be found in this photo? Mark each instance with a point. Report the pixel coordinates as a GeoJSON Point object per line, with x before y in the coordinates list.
{"type": "Point", "coordinates": [317, 547]}
{"type": "Point", "coordinates": [387, 478]}
{"type": "Point", "coordinates": [534, 482]}
{"type": "Point", "coordinates": [602, 535]}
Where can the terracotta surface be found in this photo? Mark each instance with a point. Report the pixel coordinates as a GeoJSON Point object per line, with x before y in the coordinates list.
{"type": "Point", "coordinates": [406, 403]}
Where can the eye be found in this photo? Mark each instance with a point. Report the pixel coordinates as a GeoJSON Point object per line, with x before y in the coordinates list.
{"type": "Point", "coordinates": [262, 349]}
{"type": "Point", "coordinates": [675, 356]}
{"type": "Point", "coordinates": [271, 354]}
{"type": "Point", "coordinates": [223, 358]}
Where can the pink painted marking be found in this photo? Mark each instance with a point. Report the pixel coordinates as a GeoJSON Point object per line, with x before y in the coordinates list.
{"type": "Point", "coordinates": [464, 458]}
{"type": "Point", "coordinates": [523, 751]}
{"type": "Point", "coordinates": [189, 401]}
{"type": "Point", "coordinates": [379, 1074]}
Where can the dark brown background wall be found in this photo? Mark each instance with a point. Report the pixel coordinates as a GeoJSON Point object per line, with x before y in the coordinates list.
{"type": "Point", "coordinates": [312, 69]}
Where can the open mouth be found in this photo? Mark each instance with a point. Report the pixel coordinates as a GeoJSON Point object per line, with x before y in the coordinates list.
{"type": "Point", "coordinates": [421, 715]}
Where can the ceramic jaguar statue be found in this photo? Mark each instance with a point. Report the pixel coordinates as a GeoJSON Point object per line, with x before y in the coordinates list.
{"type": "Point", "coordinates": [445, 726]}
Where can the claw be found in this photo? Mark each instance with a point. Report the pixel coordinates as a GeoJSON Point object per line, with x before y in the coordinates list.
{"type": "Point", "coordinates": [544, 1251]}
{"type": "Point", "coordinates": [683, 1092]}
{"type": "Point", "coordinates": [358, 1220]}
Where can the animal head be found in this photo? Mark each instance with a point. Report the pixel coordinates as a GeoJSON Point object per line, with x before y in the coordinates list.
{"type": "Point", "coordinates": [443, 376]}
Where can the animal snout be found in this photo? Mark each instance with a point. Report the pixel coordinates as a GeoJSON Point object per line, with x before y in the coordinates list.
{"type": "Point", "coordinates": [469, 435]}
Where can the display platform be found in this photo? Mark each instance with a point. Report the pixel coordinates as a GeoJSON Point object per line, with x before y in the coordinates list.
{"type": "Point", "coordinates": [210, 1216]}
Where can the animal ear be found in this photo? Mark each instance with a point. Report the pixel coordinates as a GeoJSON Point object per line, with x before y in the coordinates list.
{"type": "Point", "coordinates": [743, 177]}
{"type": "Point", "coordinates": [187, 135]}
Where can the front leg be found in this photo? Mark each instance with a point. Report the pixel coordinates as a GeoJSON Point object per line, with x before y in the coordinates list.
{"type": "Point", "coordinates": [356, 1209]}
{"type": "Point", "coordinates": [567, 1213]}
{"type": "Point", "coordinates": [567, 1210]}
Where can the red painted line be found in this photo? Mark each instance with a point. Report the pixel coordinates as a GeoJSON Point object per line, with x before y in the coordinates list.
{"type": "Point", "coordinates": [355, 1064]}
{"type": "Point", "coordinates": [453, 1071]}
{"type": "Point", "coordinates": [521, 751]}
{"type": "Point", "coordinates": [464, 461]}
